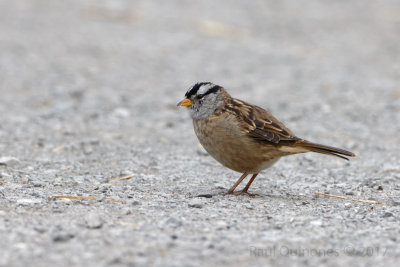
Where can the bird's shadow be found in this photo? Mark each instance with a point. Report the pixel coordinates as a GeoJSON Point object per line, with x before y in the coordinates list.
{"type": "Point", "coordinates": [283, 196]}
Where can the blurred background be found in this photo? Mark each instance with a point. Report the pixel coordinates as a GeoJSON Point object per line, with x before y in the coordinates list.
{"type": "Point", "coordinates": [67, 60]}
{"type": "Point", "coordinates": [71, 59]}
{"type": "Point", "coordinates": [88, 92]}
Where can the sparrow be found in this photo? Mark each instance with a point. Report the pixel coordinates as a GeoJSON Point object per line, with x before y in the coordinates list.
{"type": "Point", "coordinates": [241, 136]}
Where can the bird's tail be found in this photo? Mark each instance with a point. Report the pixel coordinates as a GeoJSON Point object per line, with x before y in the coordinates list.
{"type": "Point", "coordinates": [338, 152]}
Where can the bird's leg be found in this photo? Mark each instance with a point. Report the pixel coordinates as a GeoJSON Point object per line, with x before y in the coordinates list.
{"type": "Point", "coordinates": [249, 183]}
{"type": "Point", "coordinates": [244, 191]}
{"type": "Point", "coordinates": [244, 175]}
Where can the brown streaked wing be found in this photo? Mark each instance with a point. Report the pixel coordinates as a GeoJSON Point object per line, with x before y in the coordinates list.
{"type": "Point", "coordinates": [260, 124]}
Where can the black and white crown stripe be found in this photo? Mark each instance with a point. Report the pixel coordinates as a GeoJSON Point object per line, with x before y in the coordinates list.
{"type": "Point", "coordinates": [196, 89]}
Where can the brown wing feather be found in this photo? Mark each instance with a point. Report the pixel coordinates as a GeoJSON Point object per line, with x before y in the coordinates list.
{"type": "Point", "coordinates": [260, 124]}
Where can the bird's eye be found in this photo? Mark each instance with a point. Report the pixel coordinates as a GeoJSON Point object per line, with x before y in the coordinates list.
{"type": "Point", "coordinates": [199, 96]}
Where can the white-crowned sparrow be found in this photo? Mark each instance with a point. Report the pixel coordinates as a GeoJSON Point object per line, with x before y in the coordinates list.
{"type": "Point", "coordinates": [241, 136]}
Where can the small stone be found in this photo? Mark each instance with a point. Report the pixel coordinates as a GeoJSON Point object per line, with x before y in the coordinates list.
{"type": "Point", "coordinates": [28, 202]}
{"type": "Point", "coordinates": [121, 113]}
{"type": "Point", "coordinates": [62, 236]}
{"type": "Point", "coordinates": [220, 225]}
{"type": "Point", "coordinates": [396, 201]}
{"type": "Point", "coordinates": [174, 222]}
{"type": "Point", "coordinates": [248, 206]}
{"type": "Point", "coordinates": [387, 214]}
{"type": "Point", "coordinates": [169, 124]}
{"type": "Point", "coordinates": [79, 179]}
{"type": "Point", "coordinates": [93, 221]}
{"type": "Point", "coordinates": [101, 179]}
{"type": "Point", "coordinates": [316, 223]}
{"type": "Point", "coordinates": [87, 150]}
{"type": "Point", "coordinates": [126, 211]}
{"type": "Point", "coordinates": [4, 175]}
{"type": "Point", "coordinates": [104, 188]}
{"type": "Point", "coordinates": [101, 198]}
{"type": "Point", "coordinates": [219, 186]}
{"type": "Point", "coordinates": [38, 184]}
{"type": "Point", "coordinates": [93, 141]}
{"type": "Point", "coordinates": [205, 195]}
{"type": "Point", "coordinates": [135, 203]}
{"type": "Point", "coordinates": [347, 205]}
{"type": "Point", "coordinates": [9, 161]}
{"type": "Point", "coordinates": [20, 245]}
{"type": "Point", "coordinates": [40, 229]}
{"type": "Point", "coordinates": [195, 203]}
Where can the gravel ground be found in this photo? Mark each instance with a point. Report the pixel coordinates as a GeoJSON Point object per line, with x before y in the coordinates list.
{"type": "Point", "coordinates": [88, 93]}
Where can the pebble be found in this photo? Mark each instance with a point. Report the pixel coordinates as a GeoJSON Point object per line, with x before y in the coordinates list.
{"type": "Point", "coordinates": [248, 206]}
{"type": "Point", "coordinates": [93, 141]}
{"type": "Point", "coordinates": [378, 187]}
{"type": "Point", "coordinates": [121, 113]}
{"type": "Point", "coordinates": [62, 236]}
{"type": "Point", "coordinates": [101, 179]}
{"type": "Point", "coordinates": [219, 186]}
{"type": "Point", "coordinates": [206, 195]}
{"type": "Point", "coordinates": [316, 223]}
{"type": "Point", "coordinates": [396, 201]}
{"type": "Point", "coordinates": [28, 202]}
{"type": "Point", "coordinates": [93, 221]}
{"type": "Point", "coordinates": [104, 188]}
{"type": "Point", "coordinates": [9, 161]}
{"type": "Point", "coordinates": [195, 203]}
{"type": "Point", "coordinates": [50, 171]}
{"type": "Point", "coordinates": [79, 179]}
{"type": "Point", "coordinates": [4, 175]}
{"type": "Point", "coordinates": [221, 225]}
{"type": "Point", "coordinates": [87, 150]}
{"type": "Point", "coordinates": [174, 222]}
{"type": "Point", "coordinates": [126, 211]}
{"type": "Point", "coordinates": [38, 184]}
{"type": "Point", "coordinates": [135, 203]}
{"type": "Point", "coordinates": [40, 229]}
{"type": "Point", "coordinates": [387, 214]}
{"type": "Point", "coordinates": [347, 205]}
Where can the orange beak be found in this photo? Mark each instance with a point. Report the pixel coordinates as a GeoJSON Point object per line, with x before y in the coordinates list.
{"type": "Point", "coordinates": [186, 103]}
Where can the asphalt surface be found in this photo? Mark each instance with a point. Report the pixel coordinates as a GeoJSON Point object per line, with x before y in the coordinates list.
{"type": "Point", "coordinates": [88, 93]}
